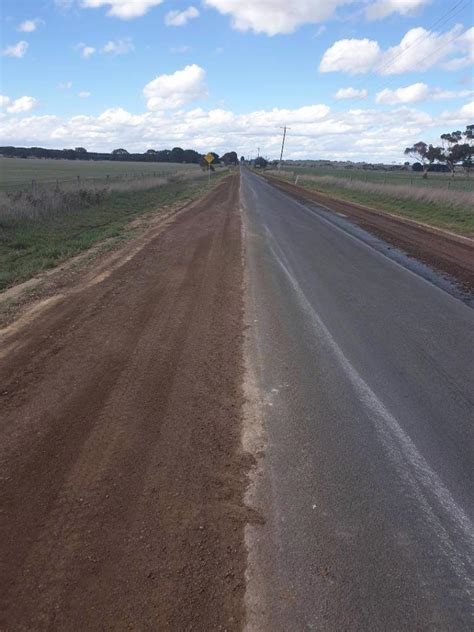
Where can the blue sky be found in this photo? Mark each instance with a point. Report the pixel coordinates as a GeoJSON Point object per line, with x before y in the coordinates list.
{"type": "Point", "coordinates": [354, 79]}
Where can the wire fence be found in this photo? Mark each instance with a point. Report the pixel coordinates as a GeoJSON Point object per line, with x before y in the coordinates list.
{"type": "Point", "coordinates": [35, 184]}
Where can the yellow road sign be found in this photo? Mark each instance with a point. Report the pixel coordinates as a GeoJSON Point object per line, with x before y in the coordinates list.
{"type": "Point", "coordinates": [209, 157]}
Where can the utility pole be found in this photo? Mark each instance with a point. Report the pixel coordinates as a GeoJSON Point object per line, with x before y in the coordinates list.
{"type": "Point", "coordinates": [282, 145]}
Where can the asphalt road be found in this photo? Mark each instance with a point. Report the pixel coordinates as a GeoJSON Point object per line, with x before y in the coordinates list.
{"type": "Point", "coordinates": [365, 373]}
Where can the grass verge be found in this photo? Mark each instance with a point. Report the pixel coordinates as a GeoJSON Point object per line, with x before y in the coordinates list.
{"type": "Point", "coordinates": [446, 212]}
{"type": "Point", "coordinates": [29, 246]}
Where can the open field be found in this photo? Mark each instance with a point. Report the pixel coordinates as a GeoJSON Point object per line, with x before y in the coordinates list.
{"type": "Point", "coordinates": [16, 173]}
{"type": "Point", "coordinates": [31, 244]}
{"type": "Point", "coordinates": [448, 209]}
{"type": "Point", "coordinates": [460, 182]}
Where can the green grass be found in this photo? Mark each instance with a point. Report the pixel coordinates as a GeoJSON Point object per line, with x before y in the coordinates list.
{"type": "Point", "coordinates": [28, 247]}
{"type": "Point", "coordinates": [19, 173]}
{"type": "Point", "coordinates": [460, 182]}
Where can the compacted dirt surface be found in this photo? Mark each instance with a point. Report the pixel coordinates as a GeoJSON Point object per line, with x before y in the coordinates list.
{"type": "Point", "coordinates": [439, 249]}
{"type": "Point", "coordinates": [122, 473]}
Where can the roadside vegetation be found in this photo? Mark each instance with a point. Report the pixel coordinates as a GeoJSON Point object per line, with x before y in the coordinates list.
{"type": "Point", "coordinates": [41, 229]}
{"type": "Point", "coordinates": [450, 209]}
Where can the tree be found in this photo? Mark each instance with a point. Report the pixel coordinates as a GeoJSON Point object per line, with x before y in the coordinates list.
{"type": "Point", "coordinates": [452, 151]}
{"type": "Point", "coordinates": [230, 158]}
{"type": "Point", "coordinates": [242, 158]}
{"type": "Point", "coordinates": [426, 154]}
{"type": "Point", "coordinates": [177, 154]}
{"type": "Point", "coordinates": [260, 162]}
{"type": "Point", "coordinates": [80, 150]}
{"type": "Point", "coordinates": [119, 152]}
{"type": "Point", "coordinates": [469, 151]}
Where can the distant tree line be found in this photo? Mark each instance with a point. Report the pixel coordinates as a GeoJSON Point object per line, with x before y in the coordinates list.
{"type": "Point", "coordinates": [456, 149]}
{"type": "Point", "coordinates": [177, 154]}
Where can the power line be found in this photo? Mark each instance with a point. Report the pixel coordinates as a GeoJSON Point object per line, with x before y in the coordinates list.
{"type": "Point", "coordinates": [418, 41]}
{"type": "Point", "coordinates": [443, 18]}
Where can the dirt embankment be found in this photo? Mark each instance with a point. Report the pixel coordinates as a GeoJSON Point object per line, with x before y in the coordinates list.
{"type": "Point", "coordinates": [448, 253]}
{"type": "Point", "coordinates": [121, 466]}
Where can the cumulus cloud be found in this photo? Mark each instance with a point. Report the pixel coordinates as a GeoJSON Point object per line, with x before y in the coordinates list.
{"type": "Point", "coordinates": [175, 90]}
{"type": "Point", "coordinates": [28, 26]}
{"type": "Point", "coordinates": [373, 134]}
{"type": "Point", "coordinates": [124, 9]}
{"type": "Point", "coordinates": [83, 94]}
{"type": "Point", "coordinates": [383, 8]}
{"type": "Point", "coordinates": [86, 51]}
{"type": "Point", "coordinates": [16, 50]}
{"type": "Point", "coordinates": [418, 50]}
{"type": "Point", "coordinates": [180, 18]}
{"type": "Point", "coordinates": [351, 93]}
{"type": "Point", "coordinates": [119, 46]}
{"type": "Point", "coordinates": [463, 116]}
{"type": "Point", "coordinates": [275, 16]}
{"type": "Point", "coordinates": [353, 56]}
{"type": "Point", "coordinates": [417, 92]}
{"type": "Point", "coordinates": [410, 94]}
{"type": "Point", "coordinates": [17, 106]}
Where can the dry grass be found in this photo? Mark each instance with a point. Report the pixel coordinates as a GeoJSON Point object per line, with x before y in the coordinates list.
{"type": "Point", "coordinates": [47, 201]}
{"type": "Point", "coordinates": [453, 199]}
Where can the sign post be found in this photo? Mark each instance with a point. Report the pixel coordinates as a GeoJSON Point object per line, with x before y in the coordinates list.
{"type": "Point", "coordinates": [209, 158]}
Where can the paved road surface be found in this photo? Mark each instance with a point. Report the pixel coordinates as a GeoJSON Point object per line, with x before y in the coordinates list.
{"type": "Point", "coordinates": [366, 375]}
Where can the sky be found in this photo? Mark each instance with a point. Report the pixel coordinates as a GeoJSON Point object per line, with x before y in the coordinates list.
{"type": "Point", "coordinates": [352, 79]}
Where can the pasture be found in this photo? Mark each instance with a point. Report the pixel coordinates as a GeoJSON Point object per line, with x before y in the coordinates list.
{"type": "Point", "coordinates": [460, 182]}
{"type": "Point", "coordinates": [18, 173]}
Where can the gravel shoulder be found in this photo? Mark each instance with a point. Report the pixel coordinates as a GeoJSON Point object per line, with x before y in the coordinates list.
{"type": "Point", "coordinates": [123, 475]}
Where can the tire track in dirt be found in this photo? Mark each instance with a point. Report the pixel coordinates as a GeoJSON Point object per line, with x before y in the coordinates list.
{"type": "Point", "coordinates": [123, 477]}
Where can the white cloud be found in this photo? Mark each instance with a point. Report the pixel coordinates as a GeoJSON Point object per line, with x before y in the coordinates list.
{"type": "Point", "coordinates": [83, 94]}
{"type": "Point", "coordinates": [17, 106]}
{"type": "Point", "coordinates": [351, 93]}
{"type": "Point", "coordinates": [316, 131]}
{"type": "Point", "coordinates": [28, 26]}
{"type": "Point", "coordinates": [410, 94]}
{"type": "Point", "coordinates": [173, 91]}
{"type": "Point", "coordinates": [418, 51]}
{"type": "Point", "coordinates": [180, 18]}
{"type": "Point", "coordinates": [124, 9]}
{"type": "Point", "coordinates": [353, 56]}
{"type": "Point", "coordinates": [86, 51]}
{"type": "Point", "coordinates": [119, 46]}
{"type": "Point", "coordinates": [417, 92]}
{"type": "Point", "coordinates": [275, 16]}
{"type": "Point", "coordinates": [383, 8]}
{"type": "Point", "coordinates": [67, 85]}
{"type": "Point", "coordinates": [463, 116]}
{"type": "Point", "coordinates": [16, 50]}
